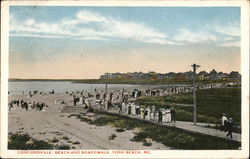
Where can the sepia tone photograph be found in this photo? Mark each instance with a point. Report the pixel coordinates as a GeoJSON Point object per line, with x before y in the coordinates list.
{"type": "Point", "coordinates": [130, 79]}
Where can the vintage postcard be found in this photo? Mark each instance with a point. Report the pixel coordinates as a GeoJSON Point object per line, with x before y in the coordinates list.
{"type": "Point", "coordinates": [124, 79]}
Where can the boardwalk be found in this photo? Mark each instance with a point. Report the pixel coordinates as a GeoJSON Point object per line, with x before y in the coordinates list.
{"type": "Point", "coordinates": [199, 128]}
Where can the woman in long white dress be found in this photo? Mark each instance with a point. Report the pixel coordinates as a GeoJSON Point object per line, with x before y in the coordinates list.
{"type": "Point", "coordinates": [142, 112]}
{"type": "Point", "coordinates": [152, 113]}
{"type": "Point", "coordinates": [133, 108]}
{"type": "Point", "coordinates": [123, 108]}
{"type": "Point", "coordinates": [126, 108]}
{"type": "Point", "coordinates": [156, 114]}
{"type": "Point", "coordinates": [168, 115]}
{"type": "Point", "coordinates": [163, 115]}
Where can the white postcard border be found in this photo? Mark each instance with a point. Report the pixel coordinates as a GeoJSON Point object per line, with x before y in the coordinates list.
{"type": "Point", "coordinates": [243, 153]}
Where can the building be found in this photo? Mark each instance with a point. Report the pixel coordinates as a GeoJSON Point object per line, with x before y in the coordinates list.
{"type": "Point", "coordinates": [213, 75]}
{"type": "Point", "coordinates": [203, 75]}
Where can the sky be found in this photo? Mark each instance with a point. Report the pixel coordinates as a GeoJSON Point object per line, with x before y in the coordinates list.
{"type": "Point", "coordinates": [86, 42]}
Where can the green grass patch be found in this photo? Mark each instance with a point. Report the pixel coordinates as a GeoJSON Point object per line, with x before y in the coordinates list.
{"type": "Point", "coordinates": [25, 142]}
{"type": "Point", "coordinates": [116, 122]}
{"type": "Point", "coordinates": [182, 140]}
{"type": "Point", "coordinates": [211, 103]}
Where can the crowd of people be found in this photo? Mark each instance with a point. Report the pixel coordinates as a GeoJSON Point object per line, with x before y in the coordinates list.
{"type": "Point", "coordinates": [27, 105]}
{"type": "Point", "coordinates": [119, 96]}
{"type": "Point", "coordinates": [161, 115]}
{"type": "Point", "coordinates": [120, 100]}
{"type": "Point", "coordinates": [178, 89]}
{"type": "Point", "coordinates": [107, 101]}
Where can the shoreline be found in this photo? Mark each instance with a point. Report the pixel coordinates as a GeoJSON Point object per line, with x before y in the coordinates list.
{"type": "Point", "coordinates": [121, 82]}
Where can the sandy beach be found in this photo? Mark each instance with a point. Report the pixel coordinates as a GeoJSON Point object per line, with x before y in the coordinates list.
{"type": "Point", "coordinates": [55, 127]}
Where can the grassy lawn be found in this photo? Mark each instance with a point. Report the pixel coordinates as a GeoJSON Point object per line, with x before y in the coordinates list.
{"type": "Point", "coordinates": [211, 103]}
{"type": "Point", "coordinates": [26, 142]}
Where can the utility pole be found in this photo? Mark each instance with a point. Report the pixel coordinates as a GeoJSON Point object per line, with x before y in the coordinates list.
{"type": "Point", "coordinates": [194, 91]}
{"type": "Point", "coordinates": [106, 93]}
{"type": "Point", "coordinates": [106, 88]}
{"type": "Point", "coordinates": [106, 96]}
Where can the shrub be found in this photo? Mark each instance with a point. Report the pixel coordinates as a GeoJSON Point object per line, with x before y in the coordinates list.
{"type": "Point", "coordinates": [120, 130]}
{"type": "Point", "coordinates": [63, 147]}
{"type": "Point", "coordinates": [25, 142]}
{"type": "Point", "coordinates": [112, 137]}
{"type": "Point", "coordinates": [76, 143]}
{"type": "Point", "coordinates": [65, 138]}
{"type": "Point", "coordinates": [55, 140]}
{"type": "Point", "coordinates": [146, 143]}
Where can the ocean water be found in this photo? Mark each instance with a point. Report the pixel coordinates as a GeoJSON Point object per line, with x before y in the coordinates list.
{"type": "Point", "coordinates": [24, 87]}
{"type": "Point", "coordinates": [18, 88]}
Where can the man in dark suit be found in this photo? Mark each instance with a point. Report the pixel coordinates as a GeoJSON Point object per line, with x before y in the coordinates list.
{"type": "Point", "coordinates": [160, 117]}
{"type": "Point", "coordinates": [173, 114]}
{"type": "Point", "coordinates": [229, 126]}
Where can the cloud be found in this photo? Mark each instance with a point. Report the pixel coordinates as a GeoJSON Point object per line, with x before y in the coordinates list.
{"type": "Point", "coordinates": [36, 35]}
{"type": "Point", "coordinates": [84, 17]}
{"type": "Point", "coordinates": [230, 44]}
{"type": "Point", "coordinates": [91, 38]}
{"type": "Point", "coordinates": [88, 16]}
{"type": "Point", "coordinates": [134, 30]}
{"type": "Point", "coordinates": [231, 29]}
{"type": "Point", "coordinates": [88, 25]}
{"type": "Point", "coordinates": [162, 42]}
{"type": "Point", "coordinates": [29, 22]}
{"type": "Point", "coordinates": [185, 35]}
{"type": "Point", "coordinates": [109, 28]}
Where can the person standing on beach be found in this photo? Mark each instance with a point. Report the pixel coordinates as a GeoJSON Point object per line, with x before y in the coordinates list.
{"type": "Point", "coordinates": [74, 99]}
{"type": "Point", "coordinates": [120, 108]}
{"type": "Point", "coordinates": [10, 106]}
{"type": "Point", "coordinates": [26, 106]}
{"type": "Point", "coordinates": [38, 106]}
{"type": "Point", "coordinates": [109, 104]}
{"type": "Point", "coordinates": [104, 97]}
{"type": "Point", "coordinates": [111, 97]}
